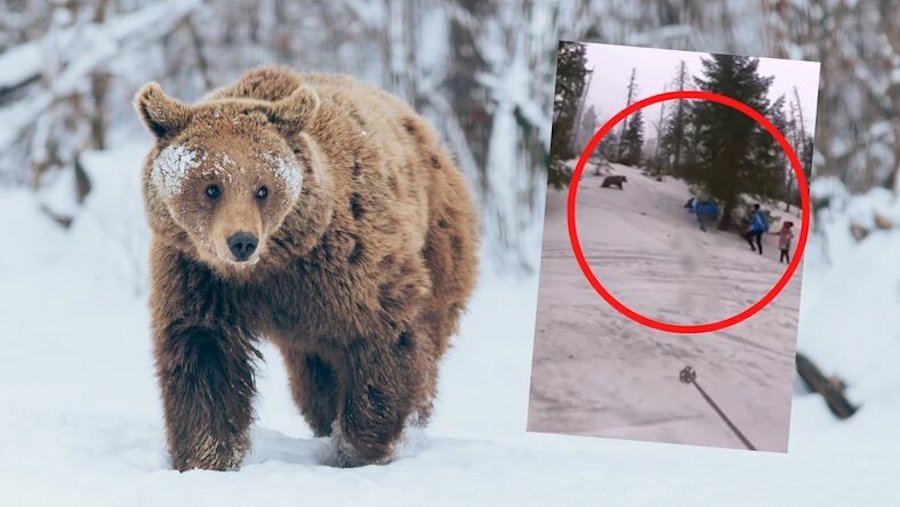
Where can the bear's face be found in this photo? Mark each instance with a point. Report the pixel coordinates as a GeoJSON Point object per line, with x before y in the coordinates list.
{"type": "Point", "coordinates": [225, 171]}
{"type": "Point", "coordinates": [227, 196]}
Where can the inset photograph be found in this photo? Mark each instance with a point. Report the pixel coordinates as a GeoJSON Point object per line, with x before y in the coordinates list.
{"type": "Point", "coordinates": [687, 212]}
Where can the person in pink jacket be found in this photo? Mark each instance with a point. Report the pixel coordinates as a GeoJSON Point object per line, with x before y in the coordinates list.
{"type": "Point", "coordinates": [785, 236]}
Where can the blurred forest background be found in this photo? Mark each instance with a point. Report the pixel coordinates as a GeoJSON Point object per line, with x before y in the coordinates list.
{"type": "Point", "coordinates": [481, 70]}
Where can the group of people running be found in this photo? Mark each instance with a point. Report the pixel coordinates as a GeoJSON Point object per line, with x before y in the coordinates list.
{"type": "Point", "coordinates": [707, 210]}
{"type": "Point", "coordinates": [759, 226]}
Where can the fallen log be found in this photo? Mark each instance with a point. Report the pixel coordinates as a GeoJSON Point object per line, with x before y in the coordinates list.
{"type": "Point", "coordinates": [831, 388]}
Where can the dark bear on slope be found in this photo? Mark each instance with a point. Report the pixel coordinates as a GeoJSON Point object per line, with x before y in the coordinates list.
{"type": "Point", "coordinates": [613, 181]}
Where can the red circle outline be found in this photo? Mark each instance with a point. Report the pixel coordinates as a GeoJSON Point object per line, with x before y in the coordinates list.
{"type": "Point", "coordinates": [682, 328]}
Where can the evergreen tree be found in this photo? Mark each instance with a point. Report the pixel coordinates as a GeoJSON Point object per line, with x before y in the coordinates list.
{"type": "Point", "coordinates": [690, 151]}
{"type": "Point", "coordinates": [806, 158]}
{"type": "Point", "coordinates": [632, 141]}
{"type": "Point", "coordinates": [571, 73]}
{"type": "Point", "coordinates": [632, 90]}
{"type": "Point", "coordinates": [735, 153]}
{"type": "Point", "coordinates": [673, 139]}
{"type": "Point", "coordinates": [608, 146]}
{"type": "Point", "coordinates": [768, 160]}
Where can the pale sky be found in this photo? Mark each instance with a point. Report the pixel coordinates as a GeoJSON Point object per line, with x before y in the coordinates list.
{"type": "Point", "coordinates": [656, 68]}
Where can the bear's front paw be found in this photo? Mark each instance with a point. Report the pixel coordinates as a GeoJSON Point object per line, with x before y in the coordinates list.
{"type": "Point", "coordinates": [350, 455]}
{"type": "Point", "coordinates": [209, 454]}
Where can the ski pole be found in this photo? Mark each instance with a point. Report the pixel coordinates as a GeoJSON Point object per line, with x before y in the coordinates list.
{"type": "Point", "coordinates": [689, 376]}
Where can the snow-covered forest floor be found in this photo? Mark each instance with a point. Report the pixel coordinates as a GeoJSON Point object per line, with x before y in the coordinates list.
{"type": "Point", "coordinates": [649, 251]}
{"type": "Point", "coordinates": [82, 424]}
{"type": "Point", "coordinates": [598, 373]}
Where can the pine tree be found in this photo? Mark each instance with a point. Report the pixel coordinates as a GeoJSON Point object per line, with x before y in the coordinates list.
{"type": "Point", "coordinates": [608, 146]}
{"type": "Point", "coordinates": [736, 154]}
{"type": "Point", "coordinates": [632, 142]}
{"type": "Point", "coordinates": [768, 160]}
{"type": "Point", "coordinates": [806, 158]}
{"type": "Point", "coordinates": [690, 152]}
{"type": "Point", "coordinates": [571, 73]}
{"type": "Point", "coordinates": [632, 90]}
{"type": "Point", "coordinates": [673, 138]}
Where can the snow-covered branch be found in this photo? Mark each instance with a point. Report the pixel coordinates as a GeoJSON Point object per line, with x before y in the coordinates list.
{"type": "Point", "coordinates": [83, 49]}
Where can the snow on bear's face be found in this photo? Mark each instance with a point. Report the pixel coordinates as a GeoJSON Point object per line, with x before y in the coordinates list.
{"type": "Point", "coordinates": [228, 201]}
{"type": "Point", "coordinates": [226, 173]}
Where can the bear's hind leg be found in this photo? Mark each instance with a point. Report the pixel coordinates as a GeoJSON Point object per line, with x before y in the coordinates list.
{"type": "Point", "coordinates": [314, 387]}
{"type": "Point", "coordinates": [207, 383]}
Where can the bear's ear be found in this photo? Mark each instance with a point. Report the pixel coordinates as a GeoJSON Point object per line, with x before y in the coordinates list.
{"type": "Point", "coordinates": [291, 113]}
{"type": "Point", "coordinates": [163, 115]}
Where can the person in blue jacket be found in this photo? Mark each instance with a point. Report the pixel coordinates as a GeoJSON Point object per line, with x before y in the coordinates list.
{"type": "Point", "coordinates": [758, 227]}
{"type": "Point", "coordinates": [706, 211]}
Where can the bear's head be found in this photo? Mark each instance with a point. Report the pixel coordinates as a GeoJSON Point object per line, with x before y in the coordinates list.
{"type": "Point", "coordinates": [226, 171]}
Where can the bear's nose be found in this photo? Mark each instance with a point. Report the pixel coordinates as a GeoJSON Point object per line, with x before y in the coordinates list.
{"type": "Point", "coordinates": [242, 245]}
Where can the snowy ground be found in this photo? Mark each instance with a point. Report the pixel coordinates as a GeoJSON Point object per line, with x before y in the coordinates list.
{"type": "Point", "coordinates": [650, 253]}
{"type": "Point", "coordinates": [81, 423]}
{"type": "Point", "coordinates": [598, 373]}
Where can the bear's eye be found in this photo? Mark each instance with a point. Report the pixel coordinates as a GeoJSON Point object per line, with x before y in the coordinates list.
{"type": "Point", "coordinates": [262, 193]}
{"type": "Point", "coordinates": [213, 191]}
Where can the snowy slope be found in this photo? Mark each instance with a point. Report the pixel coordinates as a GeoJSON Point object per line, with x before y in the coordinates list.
{"type": "Point", "coordinates": [81, 423]}
{"type": "Point", "coordinates": [649, 252]}
{"type": "Point", "coordinates": [598, 373]}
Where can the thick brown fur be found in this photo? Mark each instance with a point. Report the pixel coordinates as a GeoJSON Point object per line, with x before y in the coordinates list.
{"type": "Point", "coordinates": [614, 181]}
{"type": "Point", "coordinates": [360, 278]}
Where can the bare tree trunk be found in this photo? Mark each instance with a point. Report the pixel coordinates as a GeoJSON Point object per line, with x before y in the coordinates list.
{"type": "Point", "coordinates": [199, 52]}
{"type": "Point", "coordinates": [659, 134]}
{"type": "Point", "coordinates": [283, 46]}
{"type": "Point", "coordinates": [99, 84]}
{"type": "Point", "coordinates": [466, 94]}
{"type": "Point", "coordinates": [831, 388]}
{"type": "Point", "coordinates": [727, 210]}
{"type": "Point", "coordinates": [99, 87]}
{"type": "Point", "coordinates": [579, 115]}
{"type": "Point", "coordinates": [679, 132]}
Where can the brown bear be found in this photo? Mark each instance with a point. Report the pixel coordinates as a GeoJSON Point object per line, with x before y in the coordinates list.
{"type": "Point", "coordinates": [614, 181]}
{"type": "Point", "coordinates": [323, 215]}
